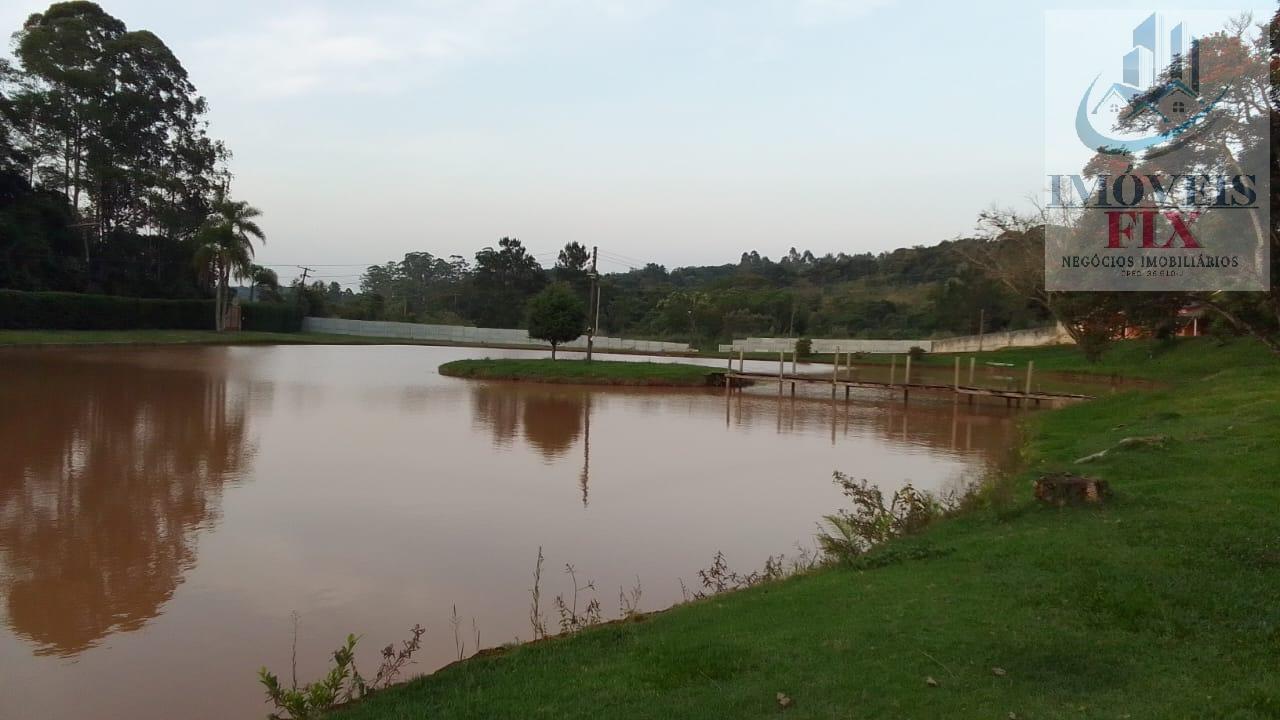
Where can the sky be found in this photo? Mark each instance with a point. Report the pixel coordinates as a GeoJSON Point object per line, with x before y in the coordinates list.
{"type": "Point", "coordinates": [682, 133]}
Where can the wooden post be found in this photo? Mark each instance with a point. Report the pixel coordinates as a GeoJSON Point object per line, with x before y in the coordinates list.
{"type": "Point", "coordinates": [794, 352]}
{"type": "Point", "coordinates": [781, 360]}
{"type": "Point", "coordinates": [971, 363]}
{"type": "Point", "coordinates": [741, 354]}
{"type": "Point", "coordinates": [1031, 364]}
{"type": "Point", "coordinates": [907, 373]}
{"type": "Point", "coordinates": [893, 368]}
{"type": "Point", "coordinates": [957, 373]}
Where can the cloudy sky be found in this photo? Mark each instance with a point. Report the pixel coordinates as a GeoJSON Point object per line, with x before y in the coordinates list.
{"type": "Point", "coordinates": [674, 132]}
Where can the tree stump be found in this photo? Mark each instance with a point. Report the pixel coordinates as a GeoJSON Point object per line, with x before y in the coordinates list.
{"type": "Point", "coordinates": [1068, 489]}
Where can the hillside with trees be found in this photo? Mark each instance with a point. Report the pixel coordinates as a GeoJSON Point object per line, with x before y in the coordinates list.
{"type": "Point", "coordinates": [913, 292]}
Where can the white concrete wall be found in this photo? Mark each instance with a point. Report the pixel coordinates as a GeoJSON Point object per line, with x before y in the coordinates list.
{"type": "Point", "coordinates": [478, 336]}
{"type": "Point", "coordinates": [1034, 337]}
{"type": "Point", "coordinates": [827, 345]}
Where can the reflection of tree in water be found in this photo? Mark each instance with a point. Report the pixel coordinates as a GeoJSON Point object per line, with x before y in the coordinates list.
{"type": "Point", "coordinates": [106, 472]}
{"type": "Point", "coordinates": [552, 422]}
{"type": "Point", "coordinates": [496, 408]}
{"type": "Point", "coordinates": [551, 418]}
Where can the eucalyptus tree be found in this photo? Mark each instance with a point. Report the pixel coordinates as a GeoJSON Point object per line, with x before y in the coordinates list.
{"type": "Point", "coordinates": [503, 280]}
{"type": "Point", "coordinates": [109, 117]}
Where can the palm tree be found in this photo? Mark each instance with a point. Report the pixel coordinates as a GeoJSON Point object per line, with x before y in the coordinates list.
{"type": "Point", "coordinates": [225, 246]}
{"type": "Point", "coordinates": [259, 275]}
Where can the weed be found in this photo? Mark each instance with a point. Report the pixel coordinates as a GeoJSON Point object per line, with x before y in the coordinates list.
{"type": "Point", "coordinates": [342, 684]}
{"type": "Point", "coordinates": [718, 578]}
{"type": "Point", "coordinates": [629, 602]}
{"type": "Point", "coordinates": [314, 699]}
{"type": "Point", "coordinates": [459, 644]}
{"type": "Point", "coordinates": [850, 533]}
{"type": "Point", "coordinates": [570, 620]}
{"type": "Point", "coordinates": [536, 620]}
{"type": "Point", "coordinates": [393, 661]}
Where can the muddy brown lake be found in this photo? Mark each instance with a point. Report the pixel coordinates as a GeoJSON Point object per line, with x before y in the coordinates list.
{"type": "Point", "coordinates": [165, 510]}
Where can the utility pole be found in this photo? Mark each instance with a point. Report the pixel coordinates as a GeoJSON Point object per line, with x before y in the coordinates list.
{"type": "Point", "coordinates": [593, 301]}
{"type": "Point", "coordinates": [303, 284]}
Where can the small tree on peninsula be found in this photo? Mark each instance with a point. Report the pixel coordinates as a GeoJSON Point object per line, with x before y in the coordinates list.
{"type": "Point", "coordinates": [556, 315]}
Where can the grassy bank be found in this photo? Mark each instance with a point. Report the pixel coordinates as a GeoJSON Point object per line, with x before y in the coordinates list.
{"type": "Point", "coordinates": [1143, 360]}
{"type": "Point", "coordinates": [1162, 604]}
{"type": "Point", "coordinates": [208, 337]}
{"type": "Point", "coordinates": [580, 372]}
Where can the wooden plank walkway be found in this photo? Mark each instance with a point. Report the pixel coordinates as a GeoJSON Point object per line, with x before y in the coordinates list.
{"type": "Point", "coordinates": [739, 377]}
{"type": "Point", "coordinates": [904, 388]}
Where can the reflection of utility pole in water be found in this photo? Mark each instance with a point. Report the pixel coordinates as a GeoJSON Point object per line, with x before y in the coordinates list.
{"type": "Point", "coordinates": [586, 449]}
{"type": "Point", "coordinates": [955, 418]}
{"type": "Point", "coordinates": [833, 421]}
{"type": "Point", "coordinates": [728, 399]}
{"type": "Point", "coordinates": [846, 418]}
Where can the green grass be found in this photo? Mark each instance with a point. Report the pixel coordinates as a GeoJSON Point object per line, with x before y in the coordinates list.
{"type": "Point", "coordinates": [1144, 359]}
{"type": "Point", "coordinates": [1163, 604]}
{"type": "Point", "coordinates": [580, 372]}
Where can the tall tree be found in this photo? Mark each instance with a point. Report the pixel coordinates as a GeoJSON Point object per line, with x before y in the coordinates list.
{"type": "Point", "coordinates": [571, 268]}
{"type": "Point", "coordinates": [109, 117]}
{"type": "Point", "coordinates": [503, 280]}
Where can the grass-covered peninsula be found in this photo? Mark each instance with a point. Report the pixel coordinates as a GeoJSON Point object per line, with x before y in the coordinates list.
{"type": "Point", "coordinates": [1159, 604]}
{"type": "Point", "coordinates": [581, 372]}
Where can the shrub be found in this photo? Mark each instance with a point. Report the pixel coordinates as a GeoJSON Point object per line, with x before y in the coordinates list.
{"type": "Point", "coordinates": [804, 347]}
{"type": "Point", "coordinates": [915, 352]}
{"type": "Point", "coordinates": [75, 311]}
{"type": "Point", "coordinates": [342, 684]}
{"type": "Point", "coordinates": [850, 533]}
{"type": "Point", "coordinates": [270, 317]}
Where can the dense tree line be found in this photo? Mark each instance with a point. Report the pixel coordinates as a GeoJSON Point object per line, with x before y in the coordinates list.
{"type": "Point", "coordinates": [911, 292]}
{"type": "Point", "coordinates": [109, 180]}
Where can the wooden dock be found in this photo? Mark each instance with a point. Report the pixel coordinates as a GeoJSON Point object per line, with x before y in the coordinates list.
{"type": "Point", "coordinates": [739, 377]}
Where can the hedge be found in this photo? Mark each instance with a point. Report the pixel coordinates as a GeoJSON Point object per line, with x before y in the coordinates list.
{"type": "Point", "coordinates": [270, 317]}
{"type": "Point", "coordinates": [75, 311]}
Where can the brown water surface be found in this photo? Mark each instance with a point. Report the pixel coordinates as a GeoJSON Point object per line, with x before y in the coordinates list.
{"type": "Point", "coordinates": [164, 510]}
